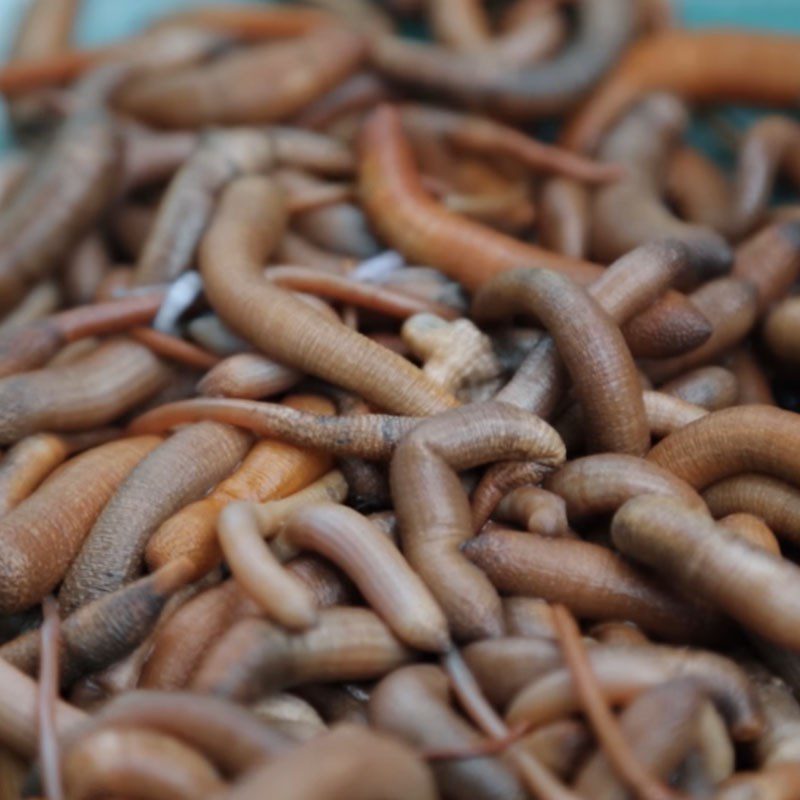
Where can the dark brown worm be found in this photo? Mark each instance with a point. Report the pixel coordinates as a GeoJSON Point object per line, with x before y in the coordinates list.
{"type": "Point", "coordinates": [770, 499]}
{"type": "Point", "coordinates": [182, 469]}
{"type": "Point", "coordinates": [202, 95]}
{"type": "Point", "coordinates": [91, 392]}
{"type": "Point", "coordinates": [624, 671]}
{"type": "Point", "coordinates": [600, 484]}
{"type": "Point", "coordinates": [254, 657]}
{"type": "Point", "coordinates": [428, 460]}
{"type": "Point", "coordinates": [347, 762]}
{"type": "Point", "coordinates": [244, 231]}
{"type": "Point", "coordinates": [103, 631]}
{"type": "Point", "coordinates": [43, 534]}
{"type": "Point", "coordinates": [592, 581]}
{"type": "Point", "coordinates": [603, 29]}
{"type": "Point", "coordinates": [730, 305]}
{"type": "Point", "coordinates": [734, 440]}
{"type": "Point", "coordinates": [631, 212]}
{"type": "Point", "coordinates": [689, 548]}
{"type": "Point", "coordinates": [770, 260]}
{"type": "Point", "coordinates": [79, 171]}
{"type": "Point", "coordinates": [590, 345]}
{"type": "Point", "coordinates": [383, 576]}
{"type": "Point", "coordinates": [710, 387]}
{"type": "Point", "coordinates": [414, 703]}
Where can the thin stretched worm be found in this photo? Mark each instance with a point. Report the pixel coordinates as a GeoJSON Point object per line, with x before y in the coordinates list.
{"type": "Point", "coordinates": [700, 66]}
{"type": "Point", "coordinates": [183, 468]}
{"type": "Point", "coordinates": [227, 91]}
{"type": "Point", "coordinates": [102, 632]}
{"type": "Point", "coordinates": [691, 549]}
{"type": "Point", "coordinates": [43, 534]}
{"type": "Point", "coordinates": [241, 235]}
{"type": "Point", "coordinates": [770, 499]}
{"type": "Point", "coordinates": [432, 455]}
{"type": "Point", "coordinates": [592, 581]}
{"type": "Point", "coordinates": [624, 671]}
{"type": "Point", "coordinates": [731, 441]}
{"type": "Point", "coordinates": [415, 704]}
{"type": "Point", "coordinates": [254, 657]}
{"type": "Point", "coordinates": [378, 569]}
{"type": "Point", "coordinates": [49, 665]}
{"type": "Point", "coordinates": [603, 29]}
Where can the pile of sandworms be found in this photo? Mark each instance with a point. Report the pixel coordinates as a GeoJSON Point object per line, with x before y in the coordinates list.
{"type": "Point", "coordinates": [396, 404]}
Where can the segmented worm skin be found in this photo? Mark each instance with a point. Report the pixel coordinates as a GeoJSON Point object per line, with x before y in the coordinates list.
{"type": "Point", "coordinates": [43, 534]}
{"type": "Point", "coordinates": [601, 483]}
{"type": "Point", "coordinates": [590, 345]}
{"type": "Point", "coordinates": [677, 705]}
{"type": "Point", "coordinates": [378, 569]}
{"type": "Point", "coordinates": [592, 581]}
{"type": "Point", "coordinates": [769, 499]}
{"type": "Point", "coordinates": [624, 671]}
{"type": "Point", "coordinates": [228, 91]}
{"type": "Point", "coordinates": [244, 231]}
{"type": "Point", "coordinates": [349, 761]}
{"type": "Point", "coordinates": [79, 172]}
{"type": "Point", "coordinates": [104, 631]}
{"type": "Point", "coordinates": [731, 441]}
{"type": "Point", "coordinates": [93, 391]}
{"type": "Point", "coordinates": [183, 468]}
{"type": "Point", "coordinates": [688, 547]}
{"type": "Point", "coordinates": [415, 703]}
{"type": "Point", "coordinates": [770, 260]}
{"type": "Point", "coordinates": [710, 387]}
{"type": "Point", "coordinates": [603, 29]}
{"type": "Point", "coordinates": [698, 66]}
{"type": "Point", "coordinates": [254, 657]}
{"type": "Point", "coordinates": [631, 211]}
{"type": "Point", "coordinates": [432, 455]}
{"type": "Point", "coordinates": [111, 762]}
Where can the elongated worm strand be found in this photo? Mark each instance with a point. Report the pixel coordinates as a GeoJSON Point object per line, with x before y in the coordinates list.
{"type": "Point", "coordinates": [770, 499]}
{"type": "Point", "coordinates": [414, 703]}
{"type": "Point", "coordinates": [43, 534]}
{"type": "Point", "coordinates": [592, 581]}
{"type": "Point", "coordinates": [102, 632]}
{"type": "Point", "coordinates": [255, 657]}
{"type": "Point", "coordinates": [185, 466]}
{"type": "Point", "coordinates": [690, 548]}
{"type": "Point", "coordinates": [92, 392]}
{"type": "Point", "coordinates": [432, 534]}
{"type": "Point", "coordinates": [601, 483]}
{"type": "Point", "coordinates": [590, 345]}
{"type": "Point", "coordinates": [625, 671]}
{"type": "Point", "coordinates": [377, 568]}
{"type": "Point", "coordinates": [734, 440]}
{"type": "Point", "coordinates": [711, 65]}
{"type": "Point", "coordinates": [231, 257]}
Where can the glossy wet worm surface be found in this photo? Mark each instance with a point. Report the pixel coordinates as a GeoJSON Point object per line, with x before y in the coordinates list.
{"type": "Point", "coordinates": [388, 416]}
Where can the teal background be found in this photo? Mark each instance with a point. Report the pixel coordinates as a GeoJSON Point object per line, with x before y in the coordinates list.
{"type": "Point", "coordinates": [104, 20]}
